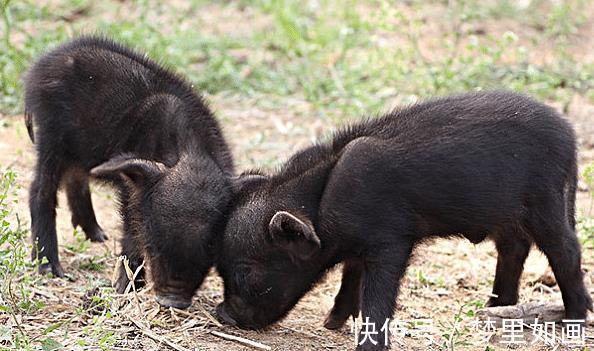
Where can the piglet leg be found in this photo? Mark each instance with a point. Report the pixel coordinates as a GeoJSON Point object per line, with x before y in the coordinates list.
{"type": "Point", "coordinates": [42, 203]}
{"type": "Point", "coordinates": [348, 301]}
{"type": "Point", "coordinates": [79, 200]}
{"type": "Point", "coordinates": [512, 251]}
{"type": "Point", "coordinates": [131, 248]}
{"type": "Point", "coordinates": [383, 269]}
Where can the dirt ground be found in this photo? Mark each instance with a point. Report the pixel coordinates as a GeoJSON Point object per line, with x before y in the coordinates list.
{"type": "Point", "coordinates": [442, 277]}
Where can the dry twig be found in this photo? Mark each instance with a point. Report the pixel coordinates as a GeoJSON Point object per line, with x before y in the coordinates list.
{"type": "Point", "coordinates": [156, 337]}
{"type": "Point", "coordinates": [241, 340]}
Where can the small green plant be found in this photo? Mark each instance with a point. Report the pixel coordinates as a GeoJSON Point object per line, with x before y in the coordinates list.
{"type": "Point", "coordinates": [455, 333]}
{"type": "Point", "coordinates": [92, 265]}
{"type": "Point", "coordinates": [81, 244]}
{"type": "Point", "coordinates": [588, 175]}
{"type": "Point", "coordinates": [16, 275]}
{"type": "Point", "coordinates": [585, 222]}
{"type": "Point", "coordinates": [422, 279]}
{"type": "Point", "coordinates": [426, 280]}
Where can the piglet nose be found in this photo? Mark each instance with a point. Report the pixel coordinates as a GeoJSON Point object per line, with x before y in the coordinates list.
{"type": "Point", "coordinates": [224, 316]}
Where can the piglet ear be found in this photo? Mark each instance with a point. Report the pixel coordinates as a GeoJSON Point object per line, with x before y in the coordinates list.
{"type": "Point", "coordinates": [294, 234]}
{"type": "Point", "coordinates": [133, 171]}
{"type": "Point", "coordinates": [245, 181]}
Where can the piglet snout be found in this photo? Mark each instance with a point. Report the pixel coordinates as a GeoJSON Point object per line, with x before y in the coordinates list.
{"type": "Point", "coordinates": [224, 316]}
{"type": "Point", "coordinates": [173, 301]}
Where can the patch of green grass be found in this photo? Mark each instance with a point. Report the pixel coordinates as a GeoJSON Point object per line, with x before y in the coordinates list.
{"type": "Point", "coordinates": [16, 275]}
{"type": "Point", "coordinates": [19, 47]}
{"type": "Point", "coordinates": [344, 59]}
{"type": "Point", "coordinates": [18, 278]}
{"type": "Point", "coordinates": [565, 19]}
{"type": "Point", "coordinates": [92, 265]}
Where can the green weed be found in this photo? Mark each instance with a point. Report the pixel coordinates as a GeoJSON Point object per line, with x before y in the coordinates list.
{"type": "Point", "coordinates": [16, 276]}
{"type": "Point", "coordinates": [585, 221]}
{"type": "Point", "coordinates": [81, 244]}
{"type": "Point", "coordinates": [456, 332]}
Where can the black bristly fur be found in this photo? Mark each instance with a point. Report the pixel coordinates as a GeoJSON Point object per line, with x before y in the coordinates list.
{"type": "Point", "coordinates": [92, 102]}
{"type": "Point", "coordinates": [494, 165]}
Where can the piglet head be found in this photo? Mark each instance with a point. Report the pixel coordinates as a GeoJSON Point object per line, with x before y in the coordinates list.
{"type": "Point", "coordinates": [171, 215]}
{"type": "Point", "coordinates": [267, 261]}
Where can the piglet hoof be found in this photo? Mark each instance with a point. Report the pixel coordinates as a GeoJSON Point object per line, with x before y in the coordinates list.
{"type": "Point", "coordinates": [496, 301]}
{"type": "Point", "coordinates": [54, 268]}
{"type": "Point", "coordinates": [577, 312]}
{"type": "Point", "coordinates": [96, 235]}
{"type": "Point", "coordinates": [491, 302]}
{"type": "Point", "coordinates": [334, 321]}
{"type": "Point", "coordinates": [499, 301]}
